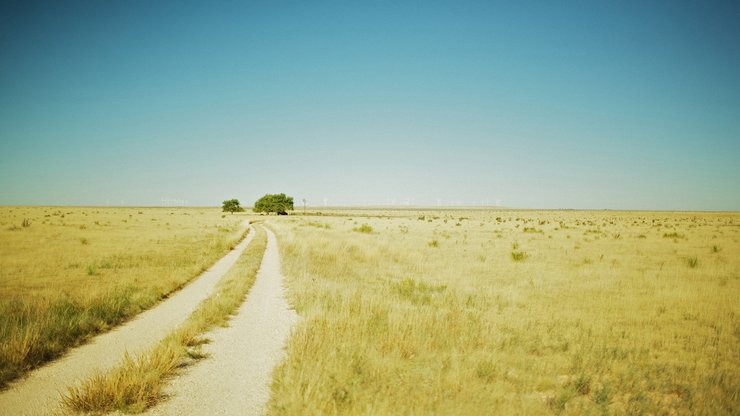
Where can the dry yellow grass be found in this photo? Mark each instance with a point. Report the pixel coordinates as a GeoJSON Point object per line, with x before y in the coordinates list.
{"type": "Point", "coordinates": [69, 272]}
{"type": "Point", "coordinates": [136, 384]}
{"type": "Point", "coordinates": [511, 312]}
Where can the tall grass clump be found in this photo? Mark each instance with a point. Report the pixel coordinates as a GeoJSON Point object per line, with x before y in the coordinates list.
{"type": "Point", "coordinates": [364, 228]}
{"type": "Point", "coordinates": [693, 262]}
{"type": "Point", "coordinates": [518, 255]}
{"type": "Point", "coordinates": [136, 384]}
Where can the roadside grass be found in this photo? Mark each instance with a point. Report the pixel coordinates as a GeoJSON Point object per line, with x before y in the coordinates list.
{"type": "Point", "coordinates": [392, 327]}
{"type": "Point", "coordinates": [70, 272]}
{"type": "Point", "coordinates": [136, 384]}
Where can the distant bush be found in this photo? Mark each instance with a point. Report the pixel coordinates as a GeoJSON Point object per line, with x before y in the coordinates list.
{"type": "Point", "coordinates": [317, 225]}
{"type": "Point", "coordinates": [364, 228]}
{"type": "Point", "coordinates": [693, 262]}
{"type": "Point", "coordinates": [673, 235]}
{"type": "Point", "coordinates": [518, 255]}
{"type": "Point", "coordinates": [433, 243]}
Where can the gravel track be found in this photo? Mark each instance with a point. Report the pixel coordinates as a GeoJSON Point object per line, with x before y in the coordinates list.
{"type": "Point", "coordinates": [235, 378]}
{"type": "Point", "coordinates": [39, 393]}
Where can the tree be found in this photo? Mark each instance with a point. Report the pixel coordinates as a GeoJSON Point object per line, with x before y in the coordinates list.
{"type": "Point", "coordinates": [278, 203]}
{"type": "Point", "coordinates": [232, 206]}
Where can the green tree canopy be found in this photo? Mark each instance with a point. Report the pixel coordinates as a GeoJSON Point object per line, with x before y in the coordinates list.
{"type": "Point", "coordinates": [278, 203]}
{"type": "Point", "coordinates": [232, 206]}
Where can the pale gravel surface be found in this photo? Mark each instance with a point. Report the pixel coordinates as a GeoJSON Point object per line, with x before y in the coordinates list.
{"type": "Point", "coordinates": [235, 378]}
{"type": "Point", "coordinates": [39, 393]}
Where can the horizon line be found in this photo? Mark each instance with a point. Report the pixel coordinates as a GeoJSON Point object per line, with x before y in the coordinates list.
{"type": "Point", "coordinates": [379, 207]}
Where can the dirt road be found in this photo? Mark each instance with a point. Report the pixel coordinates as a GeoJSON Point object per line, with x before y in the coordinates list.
{"type": "Point", "coordinates": [39, 393]}
{"type": "Point", "coordinates": [235, 379]}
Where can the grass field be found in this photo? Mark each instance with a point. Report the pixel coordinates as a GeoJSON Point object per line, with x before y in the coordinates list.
{"type": "Point", "coordinates": [69, 272]}
{"type": "Point", "coordinates": [511, 312]}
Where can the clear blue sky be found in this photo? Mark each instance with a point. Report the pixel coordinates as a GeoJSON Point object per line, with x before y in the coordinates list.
{"type": "Point", "coordinates": [623, 105]}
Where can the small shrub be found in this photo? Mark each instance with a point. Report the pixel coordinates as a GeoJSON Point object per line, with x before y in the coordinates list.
{"type": "Point", "coordinates": [26, 223]}
{"type": "Point", "coordinates": [518, 255]}
{"type": "Point", "coordinates": [693, 262]}
{"type": "Point", "coordinates": [364, 228]}
{"type": "Point", "coordinates": [433, 243]}
{"type": "Point", "coordinates": [84, 241]}
{"type": "Point", "coordinates": [91, 270]}
{"type": "Point", "coordinates": [673, 235]}
{"type": "Point", "coordinates": [318, 225]}
{"type": "Point", "coordinates": [716, 249]}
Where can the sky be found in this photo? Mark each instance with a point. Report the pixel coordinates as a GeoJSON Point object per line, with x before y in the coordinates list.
{"type": "Point", "coordinates": [578, 104]}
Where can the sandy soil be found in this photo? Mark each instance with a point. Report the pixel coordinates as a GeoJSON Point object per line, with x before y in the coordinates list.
{"type": "Point", "coordinates": [235, 379]}
{"type": "Point", "coordinates": [39, 393]}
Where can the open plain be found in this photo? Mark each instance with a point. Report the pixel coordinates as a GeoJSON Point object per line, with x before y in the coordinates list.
{"type": "Point", "coordinates": [511, 312]}
{"type": "Point", "coordinates": [416, 311]}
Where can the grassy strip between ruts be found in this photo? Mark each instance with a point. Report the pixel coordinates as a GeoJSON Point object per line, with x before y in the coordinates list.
{"type": "Point", "coordinates": [136, 384]}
